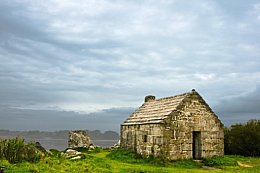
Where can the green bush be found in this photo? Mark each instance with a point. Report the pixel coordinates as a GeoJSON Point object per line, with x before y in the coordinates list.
{"type": "Point", "coordinates": [31, 154]}
{"type": "Point", "coordinates": [243, 139]}
{"type": "Point", "coordinates": [15, 151]}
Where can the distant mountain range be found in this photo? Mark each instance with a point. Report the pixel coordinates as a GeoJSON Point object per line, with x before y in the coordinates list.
{"type": "Point", "coordinates": [59, 139]}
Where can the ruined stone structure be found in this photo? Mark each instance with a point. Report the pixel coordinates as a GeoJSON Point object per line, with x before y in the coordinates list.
{"type": "Point", "coordinates": [177, 127]}
{"type": "Point", "coordinates": [79, 138]}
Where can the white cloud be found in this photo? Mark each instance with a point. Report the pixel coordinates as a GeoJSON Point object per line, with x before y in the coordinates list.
{"type": "Point", "coordinates": [205, 77]}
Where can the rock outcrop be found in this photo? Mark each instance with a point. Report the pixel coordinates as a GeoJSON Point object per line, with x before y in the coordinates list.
{"type": "Point", "coordinates": [79, 138]}
{"type": "Point", "coordinates": [72, 154]}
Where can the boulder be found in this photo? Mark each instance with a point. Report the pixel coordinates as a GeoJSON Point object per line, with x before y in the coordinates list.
{"type": "Point", "coordinates": [78, 138]}
{"type": "Point", "coordinates": [70, 153]}
{"type": "Point", "coordinates": [91, 147]}
{"type": "Point", "coordinates": [115, 146]}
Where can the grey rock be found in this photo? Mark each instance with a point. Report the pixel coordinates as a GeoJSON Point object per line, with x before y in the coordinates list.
{"type": "Point", "coordinates": [79, 138]}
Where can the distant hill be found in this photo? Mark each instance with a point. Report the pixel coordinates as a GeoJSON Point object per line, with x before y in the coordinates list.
{"type": "Point", "coordinates": [62, 134]}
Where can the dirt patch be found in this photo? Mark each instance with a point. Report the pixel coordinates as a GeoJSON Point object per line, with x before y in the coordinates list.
{"type": "Point", "coordinates": [243, 165]}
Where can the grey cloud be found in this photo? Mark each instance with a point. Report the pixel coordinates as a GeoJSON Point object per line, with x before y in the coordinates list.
{"type": "Point", "coordinates": [52, 56]}
{"type": "Point", "coordinates": [229, 119]}
{"type": "Point", "coordinates": [239, 108]}
{"type": "Point", "coordinates": [16, 22]}
{"type": "Point", "coordinates": [246, 103]}
{"type": "Point", "coordinates": [50, 120]}
{"type": "Point", "coordinates": [18, 27]}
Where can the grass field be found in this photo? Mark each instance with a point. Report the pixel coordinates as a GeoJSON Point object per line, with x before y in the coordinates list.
{"type": "Point", "coordinates": [106, 161]}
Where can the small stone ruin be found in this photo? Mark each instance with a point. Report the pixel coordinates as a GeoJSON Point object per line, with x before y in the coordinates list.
{"type": "Point", "coordinates": [79, 138]}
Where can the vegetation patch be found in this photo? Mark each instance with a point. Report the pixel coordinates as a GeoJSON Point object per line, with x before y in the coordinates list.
{"type": "Point", "coordinates": [186, 163]}
{"type": "Point", "coordinates": [131, 157]}
{"type": "Point", "coordinates": [112, 161]}
{"type": "Point", "coordinates": [243, 139]}
{"type": "Point", "coordinates": [102, 162]}
{"type": "Point", "coordinates": [16, 151]}
{"type": "Point", "coordinates": [222, 161]}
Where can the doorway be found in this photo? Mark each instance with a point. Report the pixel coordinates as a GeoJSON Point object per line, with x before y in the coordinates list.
{"type": "Point", "coordinates": [196, 145]}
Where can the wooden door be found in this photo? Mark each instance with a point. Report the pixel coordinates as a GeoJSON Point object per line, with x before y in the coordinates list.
{"type": "Point", "coordinates": [196, 145]}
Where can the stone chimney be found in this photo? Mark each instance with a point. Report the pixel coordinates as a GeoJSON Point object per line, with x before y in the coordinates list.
{"type": "Point", "coordinates": [149, 98]}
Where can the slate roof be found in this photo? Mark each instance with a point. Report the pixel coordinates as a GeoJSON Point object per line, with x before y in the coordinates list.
{"type": "Point", "coordinates": [155, 111]}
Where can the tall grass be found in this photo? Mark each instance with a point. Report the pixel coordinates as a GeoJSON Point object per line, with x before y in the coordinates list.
{"type": "Point", "coordinates": [16, 150]}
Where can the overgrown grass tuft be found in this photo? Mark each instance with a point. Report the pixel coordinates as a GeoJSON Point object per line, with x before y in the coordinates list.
{"type": "Point", "coordinates": [222, 160]}
{"type": "Point", "coordinates": [125, 156]}
{"type": "Point", "coordinates": [186, 163]}
{"type": "Point", "coordinates": [16, 151]}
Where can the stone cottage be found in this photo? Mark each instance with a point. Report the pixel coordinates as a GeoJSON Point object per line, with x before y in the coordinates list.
{"type": "Point", "coordinates": [177, 127]}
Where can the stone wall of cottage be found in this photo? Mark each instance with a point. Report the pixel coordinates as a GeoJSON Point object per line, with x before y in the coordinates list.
{"type": "Point", "coordinates": [144, 139]}
{"type": "Point", "coordinates": [173, 138]}
{"type": "Point", "coordinates": [192, 115]}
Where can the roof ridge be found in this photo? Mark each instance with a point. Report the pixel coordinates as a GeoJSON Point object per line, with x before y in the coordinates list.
{"type": "Point", "coordinates": [165, 98]}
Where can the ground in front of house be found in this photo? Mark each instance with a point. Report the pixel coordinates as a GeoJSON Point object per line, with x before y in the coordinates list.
{"type": "Point", "coordinates": [124, 161]}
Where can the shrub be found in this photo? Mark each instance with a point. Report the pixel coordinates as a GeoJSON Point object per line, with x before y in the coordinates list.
{"type": "Point", "coordinates": [12, 149]}
{"type": "Point", "coordinates": [31, 154]}
{"type": "Point", "coordinates": [15, 151]}
{"type": "Point", "coordinates": [243, 139]}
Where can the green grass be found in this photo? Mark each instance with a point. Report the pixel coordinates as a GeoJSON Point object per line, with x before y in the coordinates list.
{"type": "Point", "coordinates": [229, 163]}
{"type": "Point", "coordinates": [120, 161]}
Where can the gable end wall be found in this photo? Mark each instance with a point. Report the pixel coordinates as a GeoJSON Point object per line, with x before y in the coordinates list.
{"type": "Point", "coordinates": [193, 115]}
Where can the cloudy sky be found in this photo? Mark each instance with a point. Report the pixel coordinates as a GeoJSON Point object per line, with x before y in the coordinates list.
{"type": "Point", "coordinates": [89, 63]}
